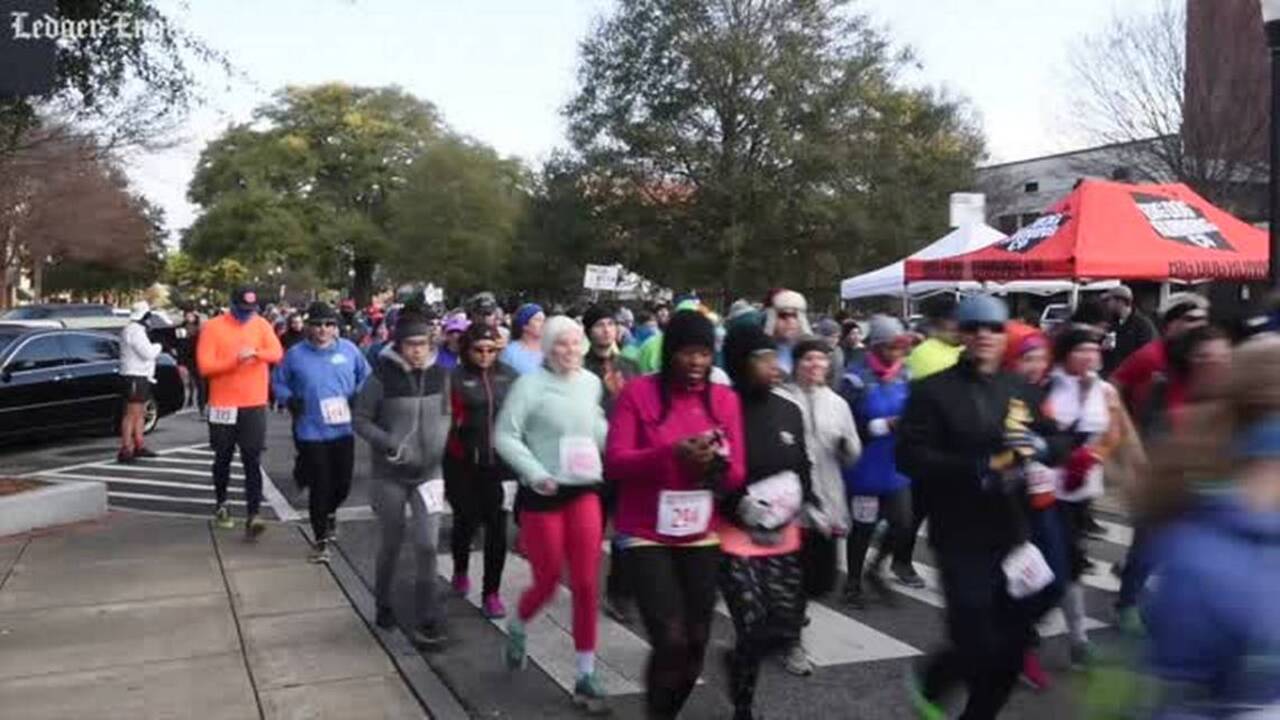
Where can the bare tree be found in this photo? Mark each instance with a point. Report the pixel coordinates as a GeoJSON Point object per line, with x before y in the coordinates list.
{"type": "Point", "coordinates": [1129, 87]}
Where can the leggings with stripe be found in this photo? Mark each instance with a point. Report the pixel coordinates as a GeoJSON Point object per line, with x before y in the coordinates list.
{"type": "Point", "coordinates": [766, 599]}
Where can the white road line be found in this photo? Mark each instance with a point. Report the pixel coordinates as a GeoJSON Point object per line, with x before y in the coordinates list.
{"type": "Point", "coordinates": [161, 470]}
{"type": "Point", "coordinates": [140, 481]}
{"type": "Point", "coordinates": [181, 461]}
{"type": "Point", "coordinates": [1117, 534]}
{"type": "Point", "coordinates": [277, 500]}
{"type": "Point", "coordinates": [620, 653]}
{"type": "Point", "coordinates": [167, 498]}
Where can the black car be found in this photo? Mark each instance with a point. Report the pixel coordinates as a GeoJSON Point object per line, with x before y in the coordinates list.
{"type": "Point", "coordinates": [56, 380]}
{"type": "Point", "coordinates": [58, 311]}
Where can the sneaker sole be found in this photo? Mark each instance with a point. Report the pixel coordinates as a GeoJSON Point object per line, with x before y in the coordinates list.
{"type": "Point", "coordinates": [592, 706]}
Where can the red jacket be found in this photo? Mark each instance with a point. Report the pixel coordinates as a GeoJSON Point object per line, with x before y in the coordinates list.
{"type": "Point", "coordinates": [640, 456]}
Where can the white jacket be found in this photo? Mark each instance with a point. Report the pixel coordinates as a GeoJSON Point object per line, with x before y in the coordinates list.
{"type": "Point", "coordinates": [828, 420]}
{"type": "Point", "coordinates": [137, 353]}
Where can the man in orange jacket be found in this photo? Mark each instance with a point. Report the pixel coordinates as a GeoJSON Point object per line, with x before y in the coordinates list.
{"type": "Point", "coordinates": [234, 353]}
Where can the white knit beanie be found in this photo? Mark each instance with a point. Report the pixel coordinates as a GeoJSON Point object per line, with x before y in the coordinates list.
{"type": "Point", "coordinates": [787, 300]}
{"type": "Point", "coordinates": [556, 326]}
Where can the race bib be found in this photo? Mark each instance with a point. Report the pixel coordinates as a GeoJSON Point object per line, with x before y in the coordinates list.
{"type": "Point", "coordinates": [509, 494]}
{"type": "Point", "coordinates": [1026, 571]}
{"type": "Point", "coordinates": [579, 458]}
{"type": "Point", "coordinates": [222, 416]}
{"type": "Point", "coordinates": [782, 495]}
{"type": "Point", "coordinates": [335, 411]}
{"type": "Point", "coordinates": [432, 492]}
{"type": "Point", "coordinates": [865, 508]}
{"type": "Point", "coordinates": [683, 513]}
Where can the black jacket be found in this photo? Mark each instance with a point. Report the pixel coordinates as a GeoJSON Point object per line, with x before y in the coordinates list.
{"type": "Point", "coordinates": [476, 397]}
{"type": "Point", "coordinates": [953, 423]}
{"type": "Point", "coordinates": [773, 430]}
{"type": "Point", "coordinates": [1130, 335]}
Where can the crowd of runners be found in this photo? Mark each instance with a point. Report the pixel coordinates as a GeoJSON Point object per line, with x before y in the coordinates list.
{"type": "Point", "coordinates": [732, 456]}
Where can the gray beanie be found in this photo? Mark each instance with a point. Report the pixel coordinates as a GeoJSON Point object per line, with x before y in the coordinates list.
{"type": "Point", "coordinates": [883, 329]}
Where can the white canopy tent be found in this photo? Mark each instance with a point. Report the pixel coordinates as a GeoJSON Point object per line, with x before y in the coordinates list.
{"type": "Point", "coordinates": [891, 279]}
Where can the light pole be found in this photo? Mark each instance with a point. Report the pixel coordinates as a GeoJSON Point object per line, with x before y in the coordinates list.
{"type": "Point", "coordinates": [1271, 21]}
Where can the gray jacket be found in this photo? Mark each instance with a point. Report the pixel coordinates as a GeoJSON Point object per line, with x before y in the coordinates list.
{"type": "Point", "coordinates": [404, 415]}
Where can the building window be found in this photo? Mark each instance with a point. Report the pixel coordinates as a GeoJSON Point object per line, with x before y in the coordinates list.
{"type": "Point", "coordinates": [1007, 224]}
{"type": "Point", "coordinates": [1031, 187]}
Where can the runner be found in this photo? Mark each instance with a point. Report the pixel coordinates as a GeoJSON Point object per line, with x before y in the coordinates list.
{"type": "Point", "coordinates": [402, 412]}
{"type": "Point", "coordinates": [876, 390]}
{"type": "Point", "coordinates": [962, 438]}
{"type": "Point", "coordinates": [675, 442]}
{"type": "Point", "coordinates": [318, 381]}
{"type": "Point", "coordinates": [451, 348]}
{"type": "Point", "coordinates": [786, 321]}
{"type": "Point", "coordinates": [761, 578]}
{"type": "Point", "coordinates": [524, 353]}
{"type": "Point", "coordinates": [138, 370]}
{"type": "Point", "coordinates": [188, 336]}
{"type": "Point", "coordinates": [551, 431]}
{"type": "Point", "coordinates": [832, 440]}
{"type": "Point", "coordinates": [474, 473]}
{"type": "Point", "coordinates": [482, 308]}
{"type": "Point", "coordinates": [942, 348]}
{"type": "Point", "coordinates": [295, 332]}
{"type": "Point", "coordinates": [235, 352]}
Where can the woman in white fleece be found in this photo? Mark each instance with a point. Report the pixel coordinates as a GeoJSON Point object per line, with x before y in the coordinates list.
{"type": "Point", "coordinates": [138, 370]}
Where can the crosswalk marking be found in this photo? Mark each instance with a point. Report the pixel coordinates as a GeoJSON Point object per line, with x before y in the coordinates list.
{"type": "Point", "coordinates": [620, 653]}
{"type": "Point", "coordinates": [198, 487]}
{"type": "Point", "coordinates": [833, 638]}
{"type": "Point", "coordinates": [140, 467]}
{"type": "Point", "coordinates": [169, 498]}
{"type": "Point", "coordinates": [1117, 534]}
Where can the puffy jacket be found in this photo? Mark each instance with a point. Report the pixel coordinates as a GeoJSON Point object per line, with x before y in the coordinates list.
{"type": "Point", "coordinates": [476, 397]}
{"type": "Point", "coordinates": [137, 353]}
{"type": "Point", "coordinates": [1209, 608]}
{"type": "Point", "coordinates": [401, 409]}
{"type": "Point", "coordinates": [871, 398]}
{"type": "Point", "coordinates": [832, 441]}
{"type": "Point", "coordinates": [953, 423]}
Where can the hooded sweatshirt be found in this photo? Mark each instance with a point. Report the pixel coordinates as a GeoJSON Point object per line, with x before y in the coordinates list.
{"type": "Point", "coordinates": [405, 410]}
{"type": "Point", "coordinates": [876, 394]}
{"type": "Point", "coordinates": [321, 378]}
{"type": "Point", "coordinates": [1210, 610]}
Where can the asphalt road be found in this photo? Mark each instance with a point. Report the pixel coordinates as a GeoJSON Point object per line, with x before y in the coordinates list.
{"type": "Point", "coordinates": [862, 655]}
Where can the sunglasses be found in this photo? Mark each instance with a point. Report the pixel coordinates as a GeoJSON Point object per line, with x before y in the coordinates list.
{"type": "Point", "coordinates": [994, 328]}
{"type": "Point", "coordinates": [786, 314]}
{"type": "Point", "coordinates": [323, 324]}
{"type": "Point", "coordinates": [484, 350]}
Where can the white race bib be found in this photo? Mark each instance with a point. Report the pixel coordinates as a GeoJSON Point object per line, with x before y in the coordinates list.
{"type": "Point", "coordinates": [222, 415]}
{"type": "Point", "coordinates": [783, 496]}
{"type": "Point", "coordinates": [509, 494]}
{"type": "Point", "coordinates": [579, 459]}
{"type": "Point", "coordinates": [432, 492]}
{"type": "Point", "coordinates": [865, 508]}
{"type": "Point", "coordinates": [684, 512]}
{"type": "Point", "coordinates": [335, 411]}
{"type": "Point", "coordinates": [1026, 571]}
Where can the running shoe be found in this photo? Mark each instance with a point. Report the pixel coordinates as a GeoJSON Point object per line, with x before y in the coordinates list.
{"type": "Point", "coordinates": [853, 598]}
{"type": "Point", "coordinates": [1033, 674]}
{"type": "Point", "coordinates": [876, 582]}
{"type": "Point", "coordinates": [253, 527]}
{"type": "Point", "coordinates": [461, 584]}
{"type": "Point", "coordinates": [332, 535]}
{"type": "Point", "coordinates": [1081, 655]}
{"type": "Point", "coordinates": [907, 575]}
{"type": "Point", "coordinates": [925, 708]}
{"type": "Point", "coordinates": [588, 693]}
{"type": "Point", "coordinates": [493, 608]}
{"type": "Point", "coordinates": [125, 458]}
{"type": "Point", "coordinates": [797, 661]}
{"type": "Point", "coordinates": [429, 635]}
{"type": "Point", "coordinates": [222, 518]}
{"type": "Point", "coordinates": [513, 653]}
{"type": "Point", "coordinates": [320, 554]}
{"type": "Point", "coordinates": [386, 619]}
{"type": "Point", "coordinates": [144, 452]}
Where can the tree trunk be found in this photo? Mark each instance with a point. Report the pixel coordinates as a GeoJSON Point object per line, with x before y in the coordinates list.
{"type": "Point", "coordinates": [37, 278]}
{"type": "Point", "coordinates": [362, 283]}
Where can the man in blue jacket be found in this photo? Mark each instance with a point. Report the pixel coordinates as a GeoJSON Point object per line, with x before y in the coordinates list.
{"type": "Point", "coordinates": [316, 381]}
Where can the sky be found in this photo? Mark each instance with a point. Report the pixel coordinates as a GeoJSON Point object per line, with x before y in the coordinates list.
{"type": "Point", "coordinates": [500, 70]}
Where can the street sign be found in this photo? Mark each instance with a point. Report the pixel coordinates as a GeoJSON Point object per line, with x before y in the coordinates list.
{"type": "Point", "coordinates": [28, 50]}
{"type": "Point", "coordinates": [600, 277]}
{"type": "Point", "coordinates": [968, 209]}
{"type": "Point", "coordinates": [432, 295]}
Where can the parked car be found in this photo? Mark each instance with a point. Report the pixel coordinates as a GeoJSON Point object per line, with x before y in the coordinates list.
{"type": "Point", "coordinates": [1054, 315]}
{"type": "Point", "coordinates": [59, 311]}
{"type": "Point", "coordinates": [60, 380]}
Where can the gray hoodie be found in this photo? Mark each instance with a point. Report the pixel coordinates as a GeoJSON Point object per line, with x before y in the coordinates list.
{"type": "Point", "coordinates": [404, 415]}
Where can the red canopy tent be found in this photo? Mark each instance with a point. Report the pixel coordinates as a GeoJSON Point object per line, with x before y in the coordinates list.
{"type": "Point", "coordinates": [1109, 230]}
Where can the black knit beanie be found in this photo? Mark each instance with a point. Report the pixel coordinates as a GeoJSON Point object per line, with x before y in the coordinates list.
{"type": "Point", "coordinates": [740, 344]}
{"type": "Point", "coordinates": [1073, 336]}
{"type": "Point", "coordinates": [595, 314]}
{"type": "Point", "coordinates": [687, 328]}
{"type": "Point", "coordinates": [808, 345]}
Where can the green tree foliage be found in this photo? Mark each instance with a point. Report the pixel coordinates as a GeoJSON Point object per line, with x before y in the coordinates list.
{"type": "Point", "coordinates": [762, 142]}
{"type": "Point", "coordinates": [311, 179]}
{"type": "Point", "coordinates": [456, 217]}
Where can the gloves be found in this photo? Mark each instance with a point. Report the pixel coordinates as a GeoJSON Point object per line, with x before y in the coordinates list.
{"type": "Point", "coordinates": [818, 520]}
{"type": "Point", "coordinates": [1081, 461]}
{"type": "Point", "coordinates": [1026, 444]}
{"type": "Point", "coordinates": [879, 427]}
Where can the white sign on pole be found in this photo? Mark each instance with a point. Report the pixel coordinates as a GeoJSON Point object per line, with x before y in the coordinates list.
{"type": "Point", "coordinates": [968, 209]}
{"type": "Point", "coordinates": [432, 294]}
{"type": "Point", "coordinates": [600, 277]}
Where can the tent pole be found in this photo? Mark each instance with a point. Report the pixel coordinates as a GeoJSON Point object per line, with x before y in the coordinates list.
{"type": "Point", "coordinates": [1075, 295]}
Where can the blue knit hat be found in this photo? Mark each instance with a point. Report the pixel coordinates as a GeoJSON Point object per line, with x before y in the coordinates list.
{"type": "Point", "coordinates": [524, 314]}
{"type": "Point", "coordinates": [982, 309]}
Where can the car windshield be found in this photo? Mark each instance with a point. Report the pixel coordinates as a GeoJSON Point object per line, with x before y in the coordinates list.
{"type": "Point", "coordinates": [27, 313]}
{"type": "Point", "coordinates": [7, 336]}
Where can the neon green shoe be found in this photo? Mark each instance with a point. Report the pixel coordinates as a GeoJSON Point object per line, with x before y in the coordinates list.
{"type": "Point", "coordinates": [925, 708]}
{"type": "Point", "coordinates": [513, 653]}
{"type": "Point", "coordinates": [222, 518]}
{"type": "Point", "coordinates": [253, 527]}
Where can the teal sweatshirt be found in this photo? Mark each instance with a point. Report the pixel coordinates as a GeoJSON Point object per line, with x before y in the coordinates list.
{"type": "Point", "coordinates": [546, 415]}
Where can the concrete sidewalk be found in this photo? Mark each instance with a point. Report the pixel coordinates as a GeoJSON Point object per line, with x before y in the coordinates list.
{"type": "Point", "coordinates": [153, 617]}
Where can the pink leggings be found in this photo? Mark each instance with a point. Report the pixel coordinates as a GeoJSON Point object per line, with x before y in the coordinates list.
{"type": "Point", "coordinates": [547, 540]}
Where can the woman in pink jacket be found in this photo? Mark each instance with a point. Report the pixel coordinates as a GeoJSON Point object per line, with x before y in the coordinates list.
{"type": "Point", "coordinates": [675, 446]}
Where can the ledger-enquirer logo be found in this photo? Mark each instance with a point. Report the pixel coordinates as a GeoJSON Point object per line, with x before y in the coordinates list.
{"type": "Point", "coordinates": [27, 58]}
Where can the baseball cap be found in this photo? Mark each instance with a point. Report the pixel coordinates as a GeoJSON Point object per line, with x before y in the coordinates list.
{"type": "Point", "coordinates": [244, 298]}
{"type": "Point", "coordinates": [1121, 291]}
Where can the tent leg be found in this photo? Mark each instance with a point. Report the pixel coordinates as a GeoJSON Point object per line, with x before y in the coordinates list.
{"type": "Point", "coordinates": [1075, 296]}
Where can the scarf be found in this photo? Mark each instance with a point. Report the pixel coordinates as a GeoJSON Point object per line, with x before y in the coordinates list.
{"type": "Point", "coordinates": [1078, 404]}
{"type": "Point", "coordinates": [882, 371]}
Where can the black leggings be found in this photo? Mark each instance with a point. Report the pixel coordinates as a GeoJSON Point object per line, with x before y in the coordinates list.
{"type": "Point", "coordinates": [766, 599]}
{"type": "Point", "coordinates": [327, 467]}
{"type": "Point", "coordinates": [895, 508]}
{"type": "Point", "coordinates": [476, 497]}
{"type": "Point", "coordinates": [249, 433]}
{"type": "Point", "coordinates": [675, 589]}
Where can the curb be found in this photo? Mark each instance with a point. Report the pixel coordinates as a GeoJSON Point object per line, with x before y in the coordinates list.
{"type": "Point", "coordinates": [435, 697]}
{"type": "Point", "coordinates": [55, 504]}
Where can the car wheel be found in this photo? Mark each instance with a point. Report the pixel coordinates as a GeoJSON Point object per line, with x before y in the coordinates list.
{"type": "Point", "coordinates": [150, 416]}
